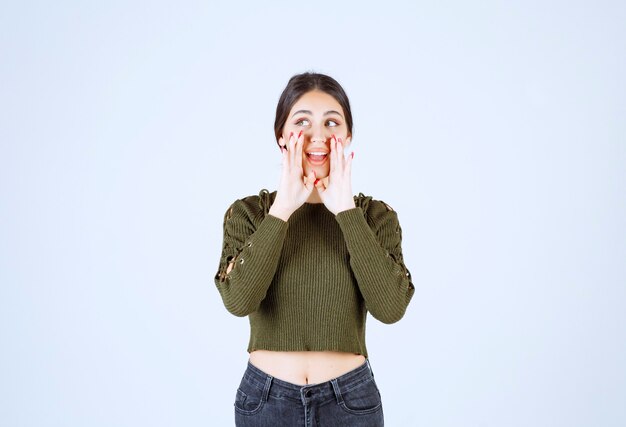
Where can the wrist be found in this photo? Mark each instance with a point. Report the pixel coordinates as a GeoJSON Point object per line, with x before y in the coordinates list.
{"type": "Point", "coordinates": [279, 212]}
{"type": "Point", "coordinates": [345, 207]}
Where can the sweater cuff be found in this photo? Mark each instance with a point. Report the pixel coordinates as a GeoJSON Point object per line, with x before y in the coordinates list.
{"type": "Point", "coordinates": [275, 219]}
{"type": "Point", "coordinates": [271, 231]}
{"type": "Point", "coordinates": [359, 237]}
{"type": "Point", "coordinates": [352, 222]}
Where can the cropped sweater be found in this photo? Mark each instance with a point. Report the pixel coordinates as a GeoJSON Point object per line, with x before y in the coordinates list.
{"type": "Point", "coordinates": [308, 283]}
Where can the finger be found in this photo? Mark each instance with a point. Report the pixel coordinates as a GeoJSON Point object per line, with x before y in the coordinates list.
{"type": "Point", "coordinates": [283, 155]}
{"type": "Point", "coordinates": [287, 157]}
{"type": "Point", "coordinates": [333, 154]}
{"type": "Point", "coordinates": [340, 157]}
{"type": "Point", "coordinates": [292, 150]}
{"type": "Point", "coordinates": [347, 172]}
{"type": "Point", "coordinates": [319, 184]}
{"type": "Point", "coordinates": [309, 181]}
{"type": "Point", "coordinates": [299, 145]}
{"type": "Point", "coordinates": [284, 162]}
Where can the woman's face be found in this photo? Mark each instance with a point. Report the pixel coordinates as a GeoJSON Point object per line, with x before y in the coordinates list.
{"type": "Point", "coordinates": [319, 116]}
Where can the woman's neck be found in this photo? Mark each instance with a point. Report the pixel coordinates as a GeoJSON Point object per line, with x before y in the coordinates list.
{"type": "Point", "coordinates": [314, 197]}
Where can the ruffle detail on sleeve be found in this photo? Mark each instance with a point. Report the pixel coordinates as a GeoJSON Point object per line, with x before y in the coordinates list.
{"type": "Point", "coordinates": [265, 201]}
{"type": "Point", "coordinates": [362, 201]}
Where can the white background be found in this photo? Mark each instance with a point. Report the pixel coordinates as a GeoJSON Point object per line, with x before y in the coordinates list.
{"type": "Point", "coordinates": [496, 130]}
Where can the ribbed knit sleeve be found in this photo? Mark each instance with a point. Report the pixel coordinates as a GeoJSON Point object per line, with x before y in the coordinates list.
{"type": "Point", "coordinates": [376, 259]}
{"type": "Point", "coordinates": [254, 240]}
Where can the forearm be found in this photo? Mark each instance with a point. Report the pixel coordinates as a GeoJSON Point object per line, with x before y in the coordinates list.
{"type": "Point", "coordinates": [383, 281]}
{"type": "Point", "coordinates": [246, 284]}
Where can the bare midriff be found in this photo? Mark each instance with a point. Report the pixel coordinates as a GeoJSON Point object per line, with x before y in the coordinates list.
{"type": "Point", "coordinates": [305, 367]}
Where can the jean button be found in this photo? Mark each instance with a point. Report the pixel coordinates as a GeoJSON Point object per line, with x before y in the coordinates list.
{"type": "Point", "coordinates": [307, 393]}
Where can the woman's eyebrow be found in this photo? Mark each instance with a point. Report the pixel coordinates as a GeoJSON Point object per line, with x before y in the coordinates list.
{"type": "Point", "coordinates": [309, 112]}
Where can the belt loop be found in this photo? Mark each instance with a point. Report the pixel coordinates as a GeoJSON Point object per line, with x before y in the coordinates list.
{"type": "Point", "coordinates": [266, 389]}
{"type": "Point", "coordinates": [337, 391]}
{"type": "Point", "coordinates": [367, 360]}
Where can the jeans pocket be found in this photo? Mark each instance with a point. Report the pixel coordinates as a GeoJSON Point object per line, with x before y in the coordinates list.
{"type": "Point", "coordinates": [362, 399]}
{"type": "Point", "coordinates": [249, 399]}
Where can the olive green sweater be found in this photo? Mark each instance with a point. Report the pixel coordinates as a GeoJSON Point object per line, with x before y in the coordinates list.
{"type": "Point", "coordinates": [308, 283]}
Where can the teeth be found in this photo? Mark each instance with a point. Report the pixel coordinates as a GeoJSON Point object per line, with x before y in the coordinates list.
{"type": "Point", "coordinates": [316, 153]}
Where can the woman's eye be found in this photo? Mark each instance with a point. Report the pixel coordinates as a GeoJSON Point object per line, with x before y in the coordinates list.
{"type": "Point", "coordinates": [305, 122]}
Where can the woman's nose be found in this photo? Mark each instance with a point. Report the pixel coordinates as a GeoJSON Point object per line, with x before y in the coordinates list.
{"type": "Point", "coordinates": [319, 139]}
{"type": "Point", "coordinates": [319, 135]}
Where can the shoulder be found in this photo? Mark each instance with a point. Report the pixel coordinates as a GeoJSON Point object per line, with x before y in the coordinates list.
{"type": "Point", "coordinates": [378, 213]}
{"type": "Point", "coordinates": [254, 206]}
{"type": "Point", "coordinates": [372, 206]}
{"type": "Point", "coordinates": [258, 205]}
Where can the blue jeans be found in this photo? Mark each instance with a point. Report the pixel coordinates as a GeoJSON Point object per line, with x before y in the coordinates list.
{"type": "Point", "coordinates": [352, 399]}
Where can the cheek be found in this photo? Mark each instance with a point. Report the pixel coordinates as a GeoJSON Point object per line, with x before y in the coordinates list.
{"type": "Point", "coordinates": [290, 128]}
{"type": "Point", "coordinates": [343, 133]}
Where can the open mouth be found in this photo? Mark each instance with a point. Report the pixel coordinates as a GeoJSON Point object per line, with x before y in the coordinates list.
{"type": "Point", "coordinates": [317, 157]}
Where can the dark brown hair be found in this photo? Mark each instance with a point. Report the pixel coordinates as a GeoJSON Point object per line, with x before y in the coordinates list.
{"type": "Point", "coordinates": [300, 84]}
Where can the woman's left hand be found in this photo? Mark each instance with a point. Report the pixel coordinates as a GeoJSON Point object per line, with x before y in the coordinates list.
{"type": "Point", "coordinates": [336, 190]}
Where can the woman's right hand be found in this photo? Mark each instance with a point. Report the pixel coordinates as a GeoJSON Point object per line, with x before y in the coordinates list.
{"type": "Point", "coordinates": [294, 188]}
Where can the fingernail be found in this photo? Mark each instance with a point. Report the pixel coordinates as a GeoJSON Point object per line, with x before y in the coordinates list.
{"type": "Point", "coordinates": [299, 134]}
{"type": "Point", "coordinates": [290, 135]}
{"type": "Point", "coordinates": [353, 154]}
{"type": "Point", "coordinates": [340, 140]}
{"type": "Point", "coordinates": [316, 181]}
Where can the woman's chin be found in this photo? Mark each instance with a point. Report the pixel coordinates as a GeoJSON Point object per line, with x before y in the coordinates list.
{"type": "Point", "coordinates": [320, 173]}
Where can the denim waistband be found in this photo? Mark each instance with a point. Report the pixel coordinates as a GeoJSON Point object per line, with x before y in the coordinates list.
{"type": "Point", "coordinates": [286, 390]}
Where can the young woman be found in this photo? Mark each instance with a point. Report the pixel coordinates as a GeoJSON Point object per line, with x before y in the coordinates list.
{"type": "Point", "coordinates": [306, 263]}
